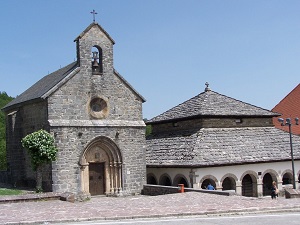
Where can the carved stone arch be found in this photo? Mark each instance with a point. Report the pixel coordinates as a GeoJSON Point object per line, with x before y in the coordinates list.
{"type": "Point", "coordinates": [228, 182]}
{"type": "Point", "coordinates": [268, 177]}
{"type": "Point", "coordinates": [231, 175]}
{"type": "Point", "coordinates": [101, 152]}
{"type": "Point", "coordinates": [250, 172]}
{"type": "Point", "coordinates": [180, 179]}
{"type": "Point", "coordinates": [151, 179]}
{"type": "Point", "coordinates": [287, 177]}
{"type": "Point", "coordinates": [273, 173]}
{"type": "Point", "coordinates": [165, 180]}
{"type": "Point", "coordinates": [208, 179]}
{"type": "Point", "coordinates": [211, 177]}
{"type": "Point", "coordinates": [249, 183]}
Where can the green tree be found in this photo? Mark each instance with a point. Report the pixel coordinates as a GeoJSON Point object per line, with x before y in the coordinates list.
{"type": "Point", "coordinates": [4, 99]}
{"type": "Point", "coordinates": [41, 148]}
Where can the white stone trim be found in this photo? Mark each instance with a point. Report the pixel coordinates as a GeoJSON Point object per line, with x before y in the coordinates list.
{"type": "Point", "coordinates": [96, 123]}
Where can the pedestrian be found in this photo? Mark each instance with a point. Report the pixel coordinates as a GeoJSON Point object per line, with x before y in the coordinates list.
{"type": "Point", "coordinates": [210, 187]}
{"type": "Point", "coordinates": [274, 190]}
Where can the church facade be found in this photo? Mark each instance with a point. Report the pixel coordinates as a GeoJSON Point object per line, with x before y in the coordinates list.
{"type": "Point", "coordinates": [95, 116]}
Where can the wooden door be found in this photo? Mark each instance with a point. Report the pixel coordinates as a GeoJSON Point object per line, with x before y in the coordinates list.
{"type": "Point", "coordinates": [96, 178]}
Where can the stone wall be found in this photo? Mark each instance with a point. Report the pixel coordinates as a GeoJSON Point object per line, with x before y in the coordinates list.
{"type": "Point", "coordinates": [212, 123]}
{"type": "Point", "coordinates": [72, 141]}
{"type": "Point", "coordinates": [25, 120]}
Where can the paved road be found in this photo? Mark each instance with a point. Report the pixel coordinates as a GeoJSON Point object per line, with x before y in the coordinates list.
{"type": "Point", "coordinates": [100, 208]}
{"type": "Point", "coordinates": [274, 219]}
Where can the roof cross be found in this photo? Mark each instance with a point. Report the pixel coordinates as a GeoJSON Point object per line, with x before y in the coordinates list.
{"type": "Point", "coordinates": [94, 13]}
{"type": "Point", "coordinates": [207, 87]}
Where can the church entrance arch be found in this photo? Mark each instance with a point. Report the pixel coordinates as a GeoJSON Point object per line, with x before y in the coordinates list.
{"type": "Point", "coordinates": [101, 168]}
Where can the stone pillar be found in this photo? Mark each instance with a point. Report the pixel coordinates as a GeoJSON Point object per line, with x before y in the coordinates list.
{"type": "Point", "coordinates": [120, 177]}
{"type": "Point", "coordinates": [219, 186]}
{"type": "Point", "coordinates": [111, 174]}
{"type": "Point", "coordinates": [238, 187]}
{"type": "Point", "coordinates": [84, 174]}
{"type": "Point", "coordinates": [259, 187]}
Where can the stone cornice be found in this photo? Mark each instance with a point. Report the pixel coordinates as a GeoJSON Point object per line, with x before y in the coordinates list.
{"type": "Point", "coordinates": [96, 123]}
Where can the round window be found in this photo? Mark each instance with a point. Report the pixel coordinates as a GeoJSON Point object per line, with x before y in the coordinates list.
{"type": "Point", "coordinates": [98, 108]}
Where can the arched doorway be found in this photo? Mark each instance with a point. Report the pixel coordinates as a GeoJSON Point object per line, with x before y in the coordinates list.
{"type": "Point", "coordinates": [228, 184]}
{"type": "Point", "coordinates": [180, 179]}
{"type": "Point", "coordinates": [267, 184]}
{"type": "Point", "coordinates": [287, 178]}
{"type": "Point", "coordinates": [249, 186]}
{"type": "Point", "coordinates": [151, 179]}
{"type": "Point", "coordinates": [101, 168]}
{"type": "Point", "coordinates": [206, 182]}
{"type": "Point", "coordinates": [165, 180]}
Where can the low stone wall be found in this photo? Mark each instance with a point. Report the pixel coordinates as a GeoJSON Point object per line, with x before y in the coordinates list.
{"type": "Point", "coordinates": [162, 190]}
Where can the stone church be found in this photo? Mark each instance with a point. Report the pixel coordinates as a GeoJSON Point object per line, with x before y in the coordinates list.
{"type": "Point", "coordinates": [95, 116]}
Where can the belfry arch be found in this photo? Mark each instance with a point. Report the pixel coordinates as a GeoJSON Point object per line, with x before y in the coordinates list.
{"type": "Point", "coordinates": [101, 168]}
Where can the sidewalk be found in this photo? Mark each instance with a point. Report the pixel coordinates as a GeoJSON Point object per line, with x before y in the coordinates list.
{"type": "Point", "coordinates": [100, 208]}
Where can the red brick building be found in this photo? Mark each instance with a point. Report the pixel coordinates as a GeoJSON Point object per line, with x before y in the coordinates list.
{"type": "Point", "coordinates": [289, 107]}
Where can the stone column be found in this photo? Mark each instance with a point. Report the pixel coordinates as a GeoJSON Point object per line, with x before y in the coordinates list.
{"type": "Point", "coordinates": [238, 187]}
{"type": "Point", "coordinates": [259, 187]}
{"type": "Point", "coordinates": [111, 180]}
{"type": "Point", "coordinates": [120, 177]}
{"type": "Point", "coordinates": [84, 175]}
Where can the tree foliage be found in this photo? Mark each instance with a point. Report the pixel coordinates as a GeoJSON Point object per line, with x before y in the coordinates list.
{"type": "Point", "coordinates": [4, 99]}
{"type": "Point", "coordinates": [41, 148]}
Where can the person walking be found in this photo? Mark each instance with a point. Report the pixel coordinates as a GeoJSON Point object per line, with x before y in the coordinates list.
{"type": "Point", "coordinates": [274, 190]}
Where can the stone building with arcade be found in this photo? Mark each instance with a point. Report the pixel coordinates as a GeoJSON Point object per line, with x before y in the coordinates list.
{"type": "Point", "coordinates": [95, 116]}
{"type": "Point", "coordinates": [212, 138]}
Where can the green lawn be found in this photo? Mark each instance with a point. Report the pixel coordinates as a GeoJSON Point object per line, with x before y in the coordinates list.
{"type": "Point", "coordinates": [5, 191]}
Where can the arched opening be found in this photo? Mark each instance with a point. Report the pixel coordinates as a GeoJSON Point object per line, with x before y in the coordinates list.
{"type": "Point", "coordinates": [180, 179]}
{"type": "Point", "coordinates": [97, 60]}
{"type": "Point", "coordinates": [165, 180]}
{"type": "Point", "coordinates": [249, 186]}
{"type": "Point", "coordinates": [151, 179]}
{"type": "Point", "coordinates": [228, 184]}
{"type": "Point", "coordinates": [287, 178]}
{"type": "Point", "coordinates": [267, 184]}
{"type": "Point", "coordinates": [101, 168]}
{"type": "Point", "coordinates": [208, 181]}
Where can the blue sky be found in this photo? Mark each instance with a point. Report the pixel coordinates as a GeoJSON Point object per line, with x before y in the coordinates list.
{"type": "Point", "coordinates": [166, 49]}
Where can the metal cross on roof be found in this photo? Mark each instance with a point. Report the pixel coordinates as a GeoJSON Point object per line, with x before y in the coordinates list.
{"type": "Point", "coordinates": [207, 86]}
{"type": "Point", "coordinates": [94, 13]}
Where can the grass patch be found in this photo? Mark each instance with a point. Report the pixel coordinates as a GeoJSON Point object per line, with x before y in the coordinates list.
{"type": "Point", "coordinates": [5, 191]}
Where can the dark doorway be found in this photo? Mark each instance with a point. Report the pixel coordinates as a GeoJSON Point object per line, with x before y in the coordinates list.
{"type": "Point", "coordinates": [247, 186]}
{"type": "Point", "coordinates": [96, 178]}
{"type": "Point", "coordinates": [267, 184]}
{"type": "Point", "coordinates": [165, 181]}
{"type": "Point", "coordinates": [151, 180]}
{"type": "Point", "coordinates": [228, 184]}
{"type": "Point", "coordinates": [206, 182]}
{"type": "Point", "coordinates": [180, 180]}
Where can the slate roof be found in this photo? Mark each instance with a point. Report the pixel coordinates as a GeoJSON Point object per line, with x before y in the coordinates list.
{"type": "Point", "coordinates": [210, 103]}
{"type": "Point", "coordinates": [41, 87]}
{"type": "Point", "coordinates": [219, 146]}
{"type": "Point", "coordinates": [289, 107]}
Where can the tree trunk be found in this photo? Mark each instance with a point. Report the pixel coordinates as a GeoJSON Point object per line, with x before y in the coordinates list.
{"type": "Point", "coordinates": [39, 178]}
